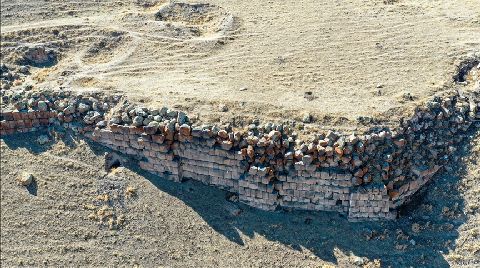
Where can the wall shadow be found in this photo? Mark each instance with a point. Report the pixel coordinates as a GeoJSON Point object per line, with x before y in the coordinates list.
{"type": "Point", "coordinates": [397, 243]}
{"type": "Point", "coordinates": [324, 232]}
{"type": "Point", "coordinates": [29, 140]}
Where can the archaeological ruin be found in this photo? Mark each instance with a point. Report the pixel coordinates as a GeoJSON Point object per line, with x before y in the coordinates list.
{"type": "Point", "coordinates": [365, 176]}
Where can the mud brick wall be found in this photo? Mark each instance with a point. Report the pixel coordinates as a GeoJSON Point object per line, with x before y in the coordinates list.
{"type": "Point", "coordinates": [173, 159]}
{"type": "Point", "coordinates": [19, 122]}
{"type": "Point", "coordinates": [155, 150]}
{"type": "Point", "coordinates": [366, 177]}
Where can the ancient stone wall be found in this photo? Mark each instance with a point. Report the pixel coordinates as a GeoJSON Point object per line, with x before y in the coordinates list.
{"type": "Point", "coordinates": [19, 122]}
{"type": "Point", "coordinates": [362, 176]}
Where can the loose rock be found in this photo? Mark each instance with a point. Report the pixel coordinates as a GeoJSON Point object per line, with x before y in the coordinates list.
{"type": "Point", "coordinates": [42, 106]}
{"type": "Point", "coordinates": [82, 107]}
{"type": "Point", "coordinates": [223, 108]}
{"type": "Point", "coordinates": [307, 118]}
{"type": "Point", "coordinates": [25, 179]}
{"type": "Point", "coordinates": [137, 121]}
{"type": "Point", "coordinates": [233, 209]}
{"type": "Point", "coordinates": [43, 139]}
{"type": "Point", "coordinates": [24, 69]}
{"type": "Point", "coordinates": [101, 124]}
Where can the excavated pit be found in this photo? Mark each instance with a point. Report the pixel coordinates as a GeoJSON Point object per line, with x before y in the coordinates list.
{"type": "Point", "coordinates": [195, 20]}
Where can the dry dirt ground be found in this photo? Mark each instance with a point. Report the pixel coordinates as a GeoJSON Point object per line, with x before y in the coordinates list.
{"type": "Point", "coordinates": [77, 214]}
{"type": "Point", "coordinates": [253, 58]}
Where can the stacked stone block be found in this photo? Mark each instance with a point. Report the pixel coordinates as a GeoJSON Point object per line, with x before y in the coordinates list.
{"type": "Point", "coordinates": [210, 165]}
{"type": "Point", "coordinates": [19, 122]}
{"type": "Point", "coordinates": [325, 189]}
{"type": "Point", "coordinates": [366, 176]}
{"type": "Point", "coordinates": [422, 176]}
{"type": "Point", "coordinates": [155, 152]}
{"type": "Point", "coordinates": [257, 188]}
{"type": "Point", "coordinates": [371, 203]}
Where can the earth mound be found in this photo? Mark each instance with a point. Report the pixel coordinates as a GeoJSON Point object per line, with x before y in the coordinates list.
{"type": "Point", "coordinates": [195, 20]}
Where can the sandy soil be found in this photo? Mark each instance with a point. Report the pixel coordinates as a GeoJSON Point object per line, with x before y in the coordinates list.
{"type": "Point", "coordinates": [258, 58]}
{"type": "Point", "coordinates": [77, 214]}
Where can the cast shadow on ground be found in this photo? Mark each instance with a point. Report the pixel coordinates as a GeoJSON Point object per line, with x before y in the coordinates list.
{"type": "Point", "coordinates": [323, 233]}
{"type": "Point", "coordinates": [32, 188]}
{"type": "Point", "coordinates": [29, 140]}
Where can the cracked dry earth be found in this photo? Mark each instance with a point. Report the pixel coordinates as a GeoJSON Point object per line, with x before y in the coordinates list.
{"type": "Point", "coordinates": [76, 213]}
